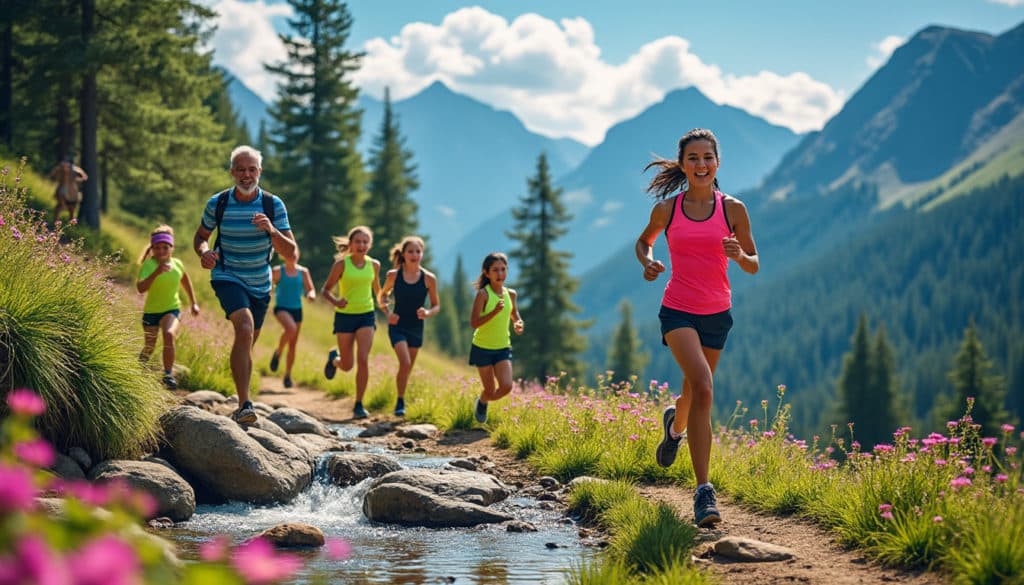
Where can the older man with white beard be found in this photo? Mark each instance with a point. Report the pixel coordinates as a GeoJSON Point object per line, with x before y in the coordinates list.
{"type": "Point", "coordinates": [249, 223]}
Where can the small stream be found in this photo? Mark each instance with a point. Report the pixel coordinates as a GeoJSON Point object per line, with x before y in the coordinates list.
{"type": "Point", "coordinates": [395, 554]}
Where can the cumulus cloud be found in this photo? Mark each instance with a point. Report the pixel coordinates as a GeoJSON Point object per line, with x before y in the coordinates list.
{"type": "Point", "coordinates": [884, 49]}
{"type": "Point", "coordinates": [551, 74]}
{"type": "Point", "coordinates": [246, 39]}
{"type": "Point", "coordinates": [1009, 2]}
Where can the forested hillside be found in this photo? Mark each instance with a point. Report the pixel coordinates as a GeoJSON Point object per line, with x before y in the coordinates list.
{"type": "Point", "coordinates": [921, 275]}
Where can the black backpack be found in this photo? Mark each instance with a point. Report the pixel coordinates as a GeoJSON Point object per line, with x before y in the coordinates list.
{"type": "Point", "coordinates": [218, 216]}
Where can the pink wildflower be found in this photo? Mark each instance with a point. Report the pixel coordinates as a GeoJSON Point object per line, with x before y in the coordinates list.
{"type": "Point", "coordinates": [37, 563]}
{"type": "Point", "coordinates": [884, 448]}
{"type": "Point", "coordinates": [634, 437]}
{"type": "Point", "coordinates": [25, 401]}
{"type": "Point", "coordinates": [989, 441]}
{"type": "Point", "coordinates": [940, 462]}
{"type": "Point", "coordinates": [106, 560]}
{"type": "Point", "coordinates": [36, 452]}
{"type": "Point", "coordinates": [1007, 428]}
{"type": "Point", "coordinates": [2, 222]}
{"type": "Point", "coordinates": [960, 482]}
{"type": "Point", "coordinates": [884, 507]}
{"type": "Point", "coordinates": [338, 549]}
{"type": "Point", "coordinates": [936, 519]}
{"type": "Point", "coordinates": [753, 423]}
{"type": "Point", "coordinates": [15, 233]}
{"type": "Point", "coordinates": [1002, 477]}
{"type": "Point", "coordinates": [215, 550]}
{"type": "Point", "coordinates": [1011, 451]}
{"type": "Point", "coordinates": [16, 489]}
{"type": "Point", "coordinates": [258, 562]}
{"type": "Point", "coordinates": [887, 515]}
{"type": "Point", "coordinates": [951, 424]}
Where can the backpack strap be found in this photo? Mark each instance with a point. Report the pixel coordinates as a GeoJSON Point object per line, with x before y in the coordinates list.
{"type": "Point", "coordinates": [218, 216]}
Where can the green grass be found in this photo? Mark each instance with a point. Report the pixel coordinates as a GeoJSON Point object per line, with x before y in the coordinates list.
{"type": "Point", "coordinates": [60, 336]}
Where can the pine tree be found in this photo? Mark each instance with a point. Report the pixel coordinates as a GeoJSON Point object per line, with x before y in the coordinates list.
{"type": "Point", "coordinates": [877, 425]}
{"type": "Point", "coordinates": [625, 358]}
{"type": "Point", "coordinates": [545, 287]}
{"type": "Point", "coordinates": [855, 378]}
{"type": "Point", "coordinates": [971, 378]}
{"type": "Point", "coordinates": [462, 303]}
{"type": "Point", "coordinates": [317, 128]}
{"type": "Point", "coordinates": [390, 210]}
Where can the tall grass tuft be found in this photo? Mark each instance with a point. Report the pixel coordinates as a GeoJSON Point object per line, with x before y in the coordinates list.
{"type": "Point", "coordinates": [62, 334]}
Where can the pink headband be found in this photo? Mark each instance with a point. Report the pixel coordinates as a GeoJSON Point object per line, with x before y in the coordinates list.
{"type": "Point", "coordinates": [161, 238]}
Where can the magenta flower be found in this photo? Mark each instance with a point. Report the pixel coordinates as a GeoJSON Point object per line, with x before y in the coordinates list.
{"type": "Point", "coordinates": [960, 482]}
{"type": "Point", "coordinates": [25, 401]}
{"type": "Point", "coordinates": [36, 452]}
{"type": "Point", "coordinates": [15, 233]}
{"type": "Point", "coordinates": [16, 489]}
{"type": "Point", "coordinates": [1007, 428]}
{"type": "Point", "coordinates": [106, 561]}
{"type": "Point", "coordinates": [338, 549]}
{"type": "Point", "coordinates": [2, 222]}
{"type": "Point", "coordinates": [1011, 451]}
{"type": "Point", "coordinates": [215, 550]}
{"type": "Point", "coordinates": [634, 437]}
{"type": "Point", "coordinates": [1002, 478]}
{"type": "Point", "coordinates": [989, 441]}
{"type": "Point", "coordinates": [887, 515]}
{"type": "Point", "coordinates": [936, 519]}
{"type": "Point", "coordinates": [37, 563]}
{"type": "Point", "coordinates": [884, 507]}
{"type": "Point", "coordinates": [258, 563]}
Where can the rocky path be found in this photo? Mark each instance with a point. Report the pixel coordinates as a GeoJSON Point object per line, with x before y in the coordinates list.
{"type": "Point", "coordinates": [818, 558]}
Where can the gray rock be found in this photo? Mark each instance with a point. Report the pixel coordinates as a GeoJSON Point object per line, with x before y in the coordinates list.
{"type": "Point", "coordinates": [397, 503]}
{"type": "Point", "coordinates": [262, 408]}
{"type": "Point", "coordinates": [520, 526]}
{"type": "Point", "coordinates": [317, 445]}
{"type": "Point", "coordinates": [175, 498]}
{"type": "Point", "coordinates": [294, 535]}
{"type": "Point", "coordinates": [66, 467]}
{"type": "Point", "coordinates": [576, 481]}
{"type": "Point", "coordinates": [468, 486]}
{"type": "Point", "coordinates": [467, 464]}
{"type": "Point", "coordinates": [549, 482]}
{"type": "Point", "coordinates": [416, 432]}
{"type": "Point", "coordinates": [751, 551]}
{"type": "Point", "coordinates": [247, 465]}
{"type": "Point", "coordinates": [81, 457]}
{"type": "Point", "coordinates": [205, 397]}
{"type": "Point", "coordinates": [265, 424]}
{"type": "Point", "coordinates": [295, 421]}
{"type": "Point", "coordinates": [347, 469]}
{"type": "Point", "coordinates": [377, 429]}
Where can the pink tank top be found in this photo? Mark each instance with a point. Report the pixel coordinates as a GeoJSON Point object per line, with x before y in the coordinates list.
{"type": "Point", "coordinates": [700, 281]}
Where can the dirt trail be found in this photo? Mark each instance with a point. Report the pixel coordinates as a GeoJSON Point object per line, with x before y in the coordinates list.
{"type": "Point", "coordinates": [819, 559]}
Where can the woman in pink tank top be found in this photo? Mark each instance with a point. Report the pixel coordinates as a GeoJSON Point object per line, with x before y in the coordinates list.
{"type": "Point", "coordinates": [704, 228]}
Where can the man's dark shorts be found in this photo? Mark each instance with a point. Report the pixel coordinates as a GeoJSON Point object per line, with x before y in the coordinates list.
{"type": "Point", "coordinates": [712, 329]}
{"type": "Point", "coordinates": [482, 358]}
{"type": "Point", "coordinates": [397, 335]}
{"type": "Point", "coordinates": [295, 313]}
{"type": "Point", "coordinates": [233, 296]}
{"type": "Point", "coordinates": [153, 319]}
{"type": "Point", "coordinates": [350, 323]}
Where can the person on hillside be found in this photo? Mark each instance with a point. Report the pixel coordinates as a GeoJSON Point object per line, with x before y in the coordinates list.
{"type": "Point", "coordinates": [411, 284]}
{"type": "Point", "coordinates": [704, 228]}
{"type": "Point", "coordinates": [494, 307]}
{"type": "Point", "coordinates": [357, 277]}
{"type": "Point", "coordinates": [68, 177]}
{"type": "Point", "coordinates": [239, 260]}
{"type": "Point", "coordinates": [160, 277]}
{"type": "Point", "coordinates": [291, 282]}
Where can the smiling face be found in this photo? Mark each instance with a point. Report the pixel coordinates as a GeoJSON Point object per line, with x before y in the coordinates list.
{"type": "Point", "coordinates": [700, 163]}
{"type": "Point", "coordinates": [246, 171]}
{"type": "Point", "coordinates": [359, 244]}
{"type": "Point", "coordinates": [412, 253]}
{"type": "Point", "coordinates": [161, 251]}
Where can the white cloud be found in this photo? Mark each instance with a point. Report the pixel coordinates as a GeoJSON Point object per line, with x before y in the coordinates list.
{"type": "Point", "coordinates": [884, 49]}
{"type": "Point", "coordinates": [551, 75]}
{"type": "Point", "coordinates": [1009, 2]}
{"type": "Point", "coordinates": [246, 39]}
{"type": "Point", "coordinates": [446, 211]}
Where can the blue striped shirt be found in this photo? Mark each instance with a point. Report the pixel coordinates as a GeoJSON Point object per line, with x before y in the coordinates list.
{"type": "Point", "coordinates": [244, 248]}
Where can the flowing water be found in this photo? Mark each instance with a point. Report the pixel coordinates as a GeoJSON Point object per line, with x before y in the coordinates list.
{"type": "Point", "coordinates": [394, 554]}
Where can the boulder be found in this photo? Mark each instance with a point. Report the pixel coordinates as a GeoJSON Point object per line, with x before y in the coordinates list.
{"type": "Point", "coordinates": [174, 496]}
{"type": "Point", "coordinates": [347, 469]}
{"type": "Point", "coordinates": [66, 467]}
{"type": "Point", "coordinates": [468, 486]}
{"type": "Point", "coordinates": [237, 464]}
{"type": "Point", "coordinates": [81, 457]}
{"type": "Point", "coordinates": [416, 432]}
{"type": "Point", "coordinates": [317, 445]}
{"type": "Point", "coordinates": [398, 503]}
{"type": "Point", "coordinates": [295, 421]}
{"type": "Point", "coordinates": [751, 551]}
{"type": "Point", "coordinates": [294, 535]}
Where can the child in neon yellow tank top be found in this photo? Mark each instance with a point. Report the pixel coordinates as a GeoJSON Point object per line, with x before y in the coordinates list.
{"type": "Point", "coordinates": [160, 276]}
{"type": "Point", "coordinates": [357, 277]}
{"type": "Point", "coordinates": [494, 307]}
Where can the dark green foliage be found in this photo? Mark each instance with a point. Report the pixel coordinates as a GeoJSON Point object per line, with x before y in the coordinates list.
{"type": "Point", "coordinates": [545, 290]}
{"type": "Point", "coordinates": [972, 380]}
{"type": "Point", "coordinates": [447, 328]}
{"type": "Point", "coordinates": [319, 172]}
{"type": "Point", "coordinates": [867, 388]}
{"type": "Point", "coordinates": [390, 210]}
{"type": "Point", "coordinates": [625, 357]}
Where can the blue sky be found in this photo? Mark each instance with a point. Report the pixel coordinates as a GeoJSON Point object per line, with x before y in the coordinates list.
{"type": "Point", "coordinates": [574, 68]}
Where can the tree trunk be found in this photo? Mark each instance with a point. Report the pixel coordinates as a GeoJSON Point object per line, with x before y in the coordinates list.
{"type": "Point", "coordinates": [88, 108]}
{"type": "Point", "coordinates": [7, 79]}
